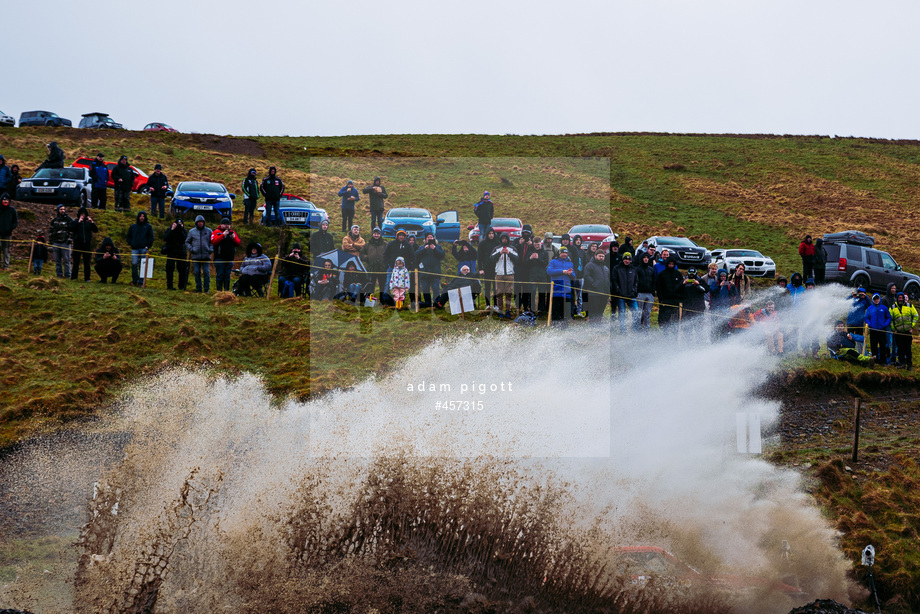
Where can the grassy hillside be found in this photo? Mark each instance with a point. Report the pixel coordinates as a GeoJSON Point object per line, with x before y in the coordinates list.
{"type": "Point", "coordinates": [67, 346]}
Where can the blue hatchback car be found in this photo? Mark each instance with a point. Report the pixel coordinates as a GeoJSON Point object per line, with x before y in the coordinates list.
{"type": "Point", "coordinates": [202, 197]}
{"type": "Point", "coordinates": [415, 221]}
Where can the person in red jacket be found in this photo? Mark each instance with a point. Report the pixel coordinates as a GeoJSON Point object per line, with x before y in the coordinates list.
{"type": "Point", "coordinates": [225, 241]}
{"type": "Point", "coordinates": [807, 252]}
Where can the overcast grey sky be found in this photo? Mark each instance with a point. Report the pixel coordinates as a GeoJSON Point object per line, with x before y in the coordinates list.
{"type": "Point", "coordinates": [478, 66]}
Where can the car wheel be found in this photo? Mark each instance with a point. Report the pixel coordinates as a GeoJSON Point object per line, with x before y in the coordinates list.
{"type": "Point", "coordinates": [913, 292]}
{"type": "Point", "coordinates": [860, 281]}
{"type": "Point", "coordinates": [49, 123]}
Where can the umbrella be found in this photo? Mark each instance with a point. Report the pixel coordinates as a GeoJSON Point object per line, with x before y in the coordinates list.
{"type": "Point", "coordinates": [340, 260]}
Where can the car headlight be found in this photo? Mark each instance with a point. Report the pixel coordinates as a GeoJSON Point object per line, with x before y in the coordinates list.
{"type": "Point", "coordinates": [223, 199]}
{"type": "Point", "coordinates": [385, 222]}
{"type": "Point", "coordinates": [68, 184]}
{"type": "Point", "coordinates": [25, 184]}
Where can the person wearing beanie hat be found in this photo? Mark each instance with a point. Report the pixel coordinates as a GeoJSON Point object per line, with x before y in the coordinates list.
{"type": "Point", "coordinates": [561, 274]}
{"type": "Point", "coordinates": [198, 243]}
{"type": "Point", "coordinates": [140, 240]}
{"type": "Point", "coordinates": [377, 194]}
{"type": "Point", "coordinates": [374, 259]}
{"type": "Point", "coordinates": [9, 220]}
{"type": "Point", "coordinates": [353, 242]}
{"type": "Point", "coordinates": [645, 299]}
{"type": "Point", "coordinates": [225, 241]}
{"type": "Point", "coordinates": [487, 244]}
{"type": "Point", "coordinates": [399, 248]}
{"type": "Point", "coordinates": [99, 173]}
{"type": "Point", "coordinates": [350, 196]}
{"type": "Point", "coordinates": [272, 188]}
{"type": "Point", "coordinates": [250, 191]}
{"type": "Point", "coordinates": [504, 260]}
{"type": "Point", "coordinates": [624, 286]}
{"type": "Point", "coordinates": [157, 185]}
{"type": "Point", "coordinates": [83, 229]}
{"type": "Point", "coordinates": [123, 177]}
{"type": "Point", "coordinates": [904, 318]}
{"type": "Point", "coordinates": [174, 250]}
{"type": "Point", "coordinates": [60, 235]}
{"type": "Point", "coordinates": [878, 318]}
{"type": "Point", "coordinates": [321, 242]}
{"type": "Point", "coordinates": [484, 211]}
{"type": "Point", "coordinates": [39, 253]}
{"type": "Point", "coordinates": [398, 283]}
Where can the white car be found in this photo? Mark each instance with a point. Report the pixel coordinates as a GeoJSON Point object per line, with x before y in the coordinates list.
{"type": "Point", "coordinates": [755, 263]}
{"type": "Point", "coordinates": [6, 120]}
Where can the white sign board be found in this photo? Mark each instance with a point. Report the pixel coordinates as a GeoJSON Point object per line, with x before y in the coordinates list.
{"type": "Point", "coordinates": [146, 268]}
{"type": "Point", "coordinates": [460, 300]}
{"type": "Point", "coordinates": [748, 433]}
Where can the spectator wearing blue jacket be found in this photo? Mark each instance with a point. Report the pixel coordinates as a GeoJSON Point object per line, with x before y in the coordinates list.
{"type": "Point", "coordinates": [879, 319]}
{"type": "Point", "coordinates": [99, 173]}
{"type": "Point", "coordinates": [856, 318]}
{"type": "Point", "coordinates": [350, 196]}
{"type": "Point", "coordinates": [561, 273]}
{"type": "Point", "coordinates": [721, 292]}
{"type": "Point", "coordinates": [5, 175]}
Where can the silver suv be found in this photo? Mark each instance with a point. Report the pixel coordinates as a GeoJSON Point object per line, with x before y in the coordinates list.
{"type": "Point", "coordinates": [852, 260]}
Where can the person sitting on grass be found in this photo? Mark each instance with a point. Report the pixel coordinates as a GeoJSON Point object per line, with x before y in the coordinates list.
{"type": "Point", "coordinates": [325, 281]}
{"type": "Point", "coordinates": [354, 282]}
{"type": "Point", "coordinates": [399, 282]}
{"type": "Point", "coordinates": [294, 270]}
{"type": "Point", "coordinates": [466, 278]}
{"type": "Point", "coordinates": [842, 345]}
{"type": "Point", "coordinates": [108, 262]}
{"type": "Point", "coordinates": [254, 271]}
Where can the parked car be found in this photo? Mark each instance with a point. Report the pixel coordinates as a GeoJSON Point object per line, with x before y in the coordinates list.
{"type": "Point", "coordinates": [604, 245]}
{"type": "Point", "coordinates": [99, 120]}
{"type": "Point", "coordinates": [416, 221]}
{"type": "Point", "coordinates": [57, 185]}
{"type": "Point", "coordinates": [139, 181]}
{"type": "Point", "coordinates": [296, 211]}
{"type": "Point", "coordinates": [159, 127]}
{"type": "Point", "coordinates": [755, 263]}
{"type": "Point", "coordinates": [512, 225]}
{"type": "Point", "coordinates": [643, 563]}
{"type": "Point", "coordinates": [592, 233]}
{"type": "Point", "coordinates": [202, 197]}
{"type": "Point", "coordinates": [42, 118]}
{"type": "Point", "coordinates": [852, 260]}
{"type": "Point", "coordinates": [6, 120]}
{"type": "Point", "coordinates": [684, 250]}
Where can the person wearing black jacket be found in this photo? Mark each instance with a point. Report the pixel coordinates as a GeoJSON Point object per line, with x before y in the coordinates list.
{"type": "Point", "coordinates": [645, 269]}
{"type": "Point", "coordinates": [272, 189]}
{"type": "Point", "coordinates": [83, 229]}
{"type": "Point", "coordinates": [399, 248]}
{"type": "Point", "coordinates": [525, 250]}
{"type": "Point", "coordinates": [55, 157]}
{"type": "Point", "coordinates": [295, 268]}
{"type": "Point", "coordinates": [250, 196]}
{"type": "Point", "coordinates": [321, 242]}
{"type": "Point", "coordinates": [123, 177]}
{"type": "Point", "coordinates": [176, 256]}
{"type": "Point", "coordinates": [108, 262]}
{"type": "Point", "coordinates": [99, 173]}
{"type": "Point", "coordinates": [820, 262]}
{"type": "Point", "coordinates": [693, 295]}
{"type": "Point", "coordinates": [140, 240]}
{"type": "Point", "coordinates": [60, 235]}
{"type": "Point", "coordinates": [9, 220]}
{"type": "Point", "coordinates": [624, 279]}
{"type": "Point", "coordinates": [377, 194]}
{"type": "Point", "coordinates": [597, 286]}
{"type": "Point", "coordinates": [486, 246]}
{"type": "Point", "coordinates": [668, 286]}
{"type": "Point", "coordinates": [485, 211]}
{"type": "Point", "coordinates": [157, 185]}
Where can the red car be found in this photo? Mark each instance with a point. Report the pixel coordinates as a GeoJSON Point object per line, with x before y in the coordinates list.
{"type": "Point", "coordinates": [139, 181]}
{"type": "Point", "coordinates": [511, 225]}
{"type": "Point", "coordinates": [643, 563]}
{"type": "Point", "coordinates": [592, 233]}
{"type": "Point", "coordinates": [159, 127]}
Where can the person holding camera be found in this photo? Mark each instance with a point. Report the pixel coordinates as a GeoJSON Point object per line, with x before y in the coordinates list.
{"type": "Point", "coordinates": [272, 188]}
{"type": "Point", "coordinates": [83, 229]}
{"type": "Point", "coordinates": [108, 262]}
{"type": "Point", "coordinates": [377, 194]}
{"type": "Point", "coordinates": [174, 250]}
{"type": "Point", "coordinates": [157, 185]}
{"type": "Point", "coordinates": [428, 259]}
{"type": "Point", "coordinates": [225, 241]}
{"type": "Point", "coordinates": [503, 261]}
{"type": "Point", "coordinates": [140, 240]}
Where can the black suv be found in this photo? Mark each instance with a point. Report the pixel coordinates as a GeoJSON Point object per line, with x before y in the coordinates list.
{"type": "Point", "coordinates": [99, 120]}
{"type": "Point", "coordinates": [852, 260]}
{"type": "Point", "coordinates": [42, 118]}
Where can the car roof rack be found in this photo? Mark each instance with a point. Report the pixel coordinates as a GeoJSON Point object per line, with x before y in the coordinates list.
{"type": "Point", "coordinates": [849, 236]}
{"type": "Point", "coordinates": [94, 113]}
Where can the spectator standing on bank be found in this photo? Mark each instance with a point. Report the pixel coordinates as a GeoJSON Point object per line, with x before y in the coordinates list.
{"type": "Point", "coordinates": [123, 177]}
{"type": "Point", "coordinates": [373, 257]}
{"type": "Point", "coordinates": [350, 197]}
{"type": "Point", "coordinates": [13, 183]}
{"type": "Point", "coordinates": [174, 250]}
{"type": "Point", "coordinates": [39, 253]}
{"type": "Point", "coordinates": [485, 211]}
{"type": "Point", "coordinates": [83, 229]}
{"type": "Point", "coordinates": [561, 274]}
{"type": "Point", "coordinates": [904, 319]}
{"type": "Point", "coordinates": [99, 173]}
{"type": "Point", "coordinates": [250, 196]}
{"type": "Point", "coordinates": [377, 194]}
{"type": "Point", "coordinates": [624, 285]}
{"type": "Point", "coordinates": [486, 246]}
{"type": "Point", "coordinates": [140, 240]}
{"type": "Point", "coordinates": [198, 243]}
{"type": "Point", "coordinates": [5, 175]}
{"type": "Point", "coordinates": [820, 262]}
{"type": "Point", "coordinates": [157, 185]}
{"type": "Point", "coordinates": [9, 220]}
{"type": "Point", "coordinates": [879, 319]}
{"type": "Point", "coordinates": [225, 241]}
{"type": "Point", "coordinates": [645, 299]}
{"type": "Point", "coordinates": [272, 189]}
{"type": "Point", "coordinates": [428, 259]}
{"type": "Point", "coordinates": [550, 252]}
{"type": "Point", "coordinates": [807, 252]}
{"type": "Point", "coordinates": [597, 286]}
{"type": "Point", "coordinates": [61, 236]}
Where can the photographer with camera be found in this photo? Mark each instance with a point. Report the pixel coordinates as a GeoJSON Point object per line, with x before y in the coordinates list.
{"type": "Point", "coordinates": [428, 259]}
{"type": "Point", "coordinates": [225, 241]}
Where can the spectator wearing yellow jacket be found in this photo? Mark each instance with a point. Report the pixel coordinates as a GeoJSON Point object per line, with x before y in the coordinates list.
{"type": "Point", "coordinates": [904, 319]}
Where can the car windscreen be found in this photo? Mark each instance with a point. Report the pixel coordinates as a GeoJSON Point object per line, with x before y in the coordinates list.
{"type": "Point", "coordinates": [743, 253]}
{"type": "Point", "coordinates": [505, 222]}
{"type": "Point", "coordinates": [59, 173]}
{"type": "Point", "coordinates": [674, 242]}
{"type": "Point", "coordinates": [201, 186]}
{"type": "Point", "coordinates": [590, 228]}
{"type": "Point", "coordinates": [409, 213]}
